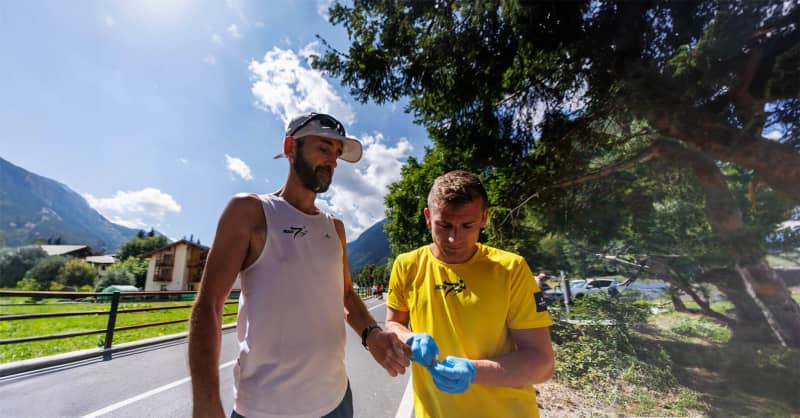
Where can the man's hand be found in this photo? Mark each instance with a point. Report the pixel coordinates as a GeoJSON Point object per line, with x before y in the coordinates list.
{"type": "Point", "coordinates": [453, 375]}
{"type": "Point", "coordinates": [423, 349]}
{"type": "Point", "coordinates": [387, 349]}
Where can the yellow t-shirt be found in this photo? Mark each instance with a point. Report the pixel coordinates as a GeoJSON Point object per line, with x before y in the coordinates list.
{"type": "Point", "coordinates": [467, 309]}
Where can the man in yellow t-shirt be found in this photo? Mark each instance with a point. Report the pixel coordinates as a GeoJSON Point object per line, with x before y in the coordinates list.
{"type": "Point", "coordinates": [477, 306]}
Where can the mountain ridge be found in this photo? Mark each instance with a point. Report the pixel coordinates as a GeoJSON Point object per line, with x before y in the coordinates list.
{"type": "Point", "coordinates": [371, 247]}
{"type": "Point", "coordinates": [34, 207]}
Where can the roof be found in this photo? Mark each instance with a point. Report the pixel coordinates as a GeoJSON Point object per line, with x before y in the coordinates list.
{"type": "Point", "coordinates": [62, 249]}
{"type": "Point", "coordinates": [176, 243]}
{"type": "Point", "coordinates": [101, 259]}
{"type": "Point", "coordinates": [121, 288]}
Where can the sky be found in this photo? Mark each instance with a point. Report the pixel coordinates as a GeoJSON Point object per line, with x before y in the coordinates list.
{"type": "Point", "coordinates": [159, 111]}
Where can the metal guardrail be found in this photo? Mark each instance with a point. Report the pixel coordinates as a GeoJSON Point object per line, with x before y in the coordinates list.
{"type": "Point", "coordinates": [114, 297]}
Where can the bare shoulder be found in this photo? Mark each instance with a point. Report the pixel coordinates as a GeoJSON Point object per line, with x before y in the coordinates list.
{"type": "Point", "coordinates": [243, 203]}
{"type": "Point", "coordinates": [339, 225]}
{"type": "Point", "coordinates": [243, 212]}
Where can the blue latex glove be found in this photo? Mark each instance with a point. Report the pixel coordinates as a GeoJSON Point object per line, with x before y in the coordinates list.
{"type": "Point", "coordinates": [423, 349]}
{"type": "Point", "coordinates": [453, 375]}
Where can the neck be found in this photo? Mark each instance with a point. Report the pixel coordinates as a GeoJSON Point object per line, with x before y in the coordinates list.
{"type": "Point", "coordinates": [298, 196]}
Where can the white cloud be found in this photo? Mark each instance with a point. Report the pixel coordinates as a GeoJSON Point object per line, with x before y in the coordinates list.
{"type": "Point", "coordinates": [210, 59]}
{"type": "Point", "coordinates": [322, 8]}
{"type": "Point", "coordinates": [259, 24]}
{"type": "Point", "coordinates": [233, 31]}
{"type": "Point", "coordinates": [774, 135]}
{"type": "Point", "coordinates": [135, 209]}
{"type": "Point", "coordinates": [357, 192]}
{"type": "Point", "coordinates": [183, 160]}
{"type": "Point", "coordinates": [285, 87]}
{"type": "Point", "coordinates": [217, 39]}
{"type": "Point", "coordinates": [238, 167]}
{"type": "Point", "coordinates": [309, 50]}
{"type": "Point", "coordinates": [109, 20]}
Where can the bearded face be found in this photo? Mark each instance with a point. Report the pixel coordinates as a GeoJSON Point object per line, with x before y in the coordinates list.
{"type": "Point", "coordinates": [315, 179]}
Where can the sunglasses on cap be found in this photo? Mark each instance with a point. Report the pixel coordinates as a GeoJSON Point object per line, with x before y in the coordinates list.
{"type": "Point", "coordinates": [325, 121]}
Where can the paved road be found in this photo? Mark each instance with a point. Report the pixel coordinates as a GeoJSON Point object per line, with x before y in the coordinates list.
{"type": "Point", "coordinates": [154, 382]}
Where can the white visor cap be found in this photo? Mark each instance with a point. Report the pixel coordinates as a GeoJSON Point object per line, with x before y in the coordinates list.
{"type": "Point", "coordinates": [326, 126]}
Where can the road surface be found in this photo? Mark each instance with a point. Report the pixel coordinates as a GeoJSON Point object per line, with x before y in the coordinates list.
{"type": "Point", "coordinates": [154, 382]}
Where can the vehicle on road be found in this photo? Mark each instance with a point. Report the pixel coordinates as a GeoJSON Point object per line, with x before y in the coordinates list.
{"type": "Point", "coordinates": [581, 288]}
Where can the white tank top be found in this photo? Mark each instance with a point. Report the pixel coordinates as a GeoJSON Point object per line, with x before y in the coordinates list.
{"type": "Point", "coordinates": [291, 319]}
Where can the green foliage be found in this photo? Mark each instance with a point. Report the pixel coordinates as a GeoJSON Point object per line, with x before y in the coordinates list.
{"type": "Point", "coordinates": [700, 328]}
{"type": "Point", "coordinates": [142, 243]}
{"type": "Point", "coordinates": [118, 276]}
{"type": "Point", "coordinates": [593, 124]}
{"type": "Point", "coordinates": [406, 201]}
{"type": "Point", "coordinates": [372, 274]}
{"type": "Point", "coordinates": [14, 263]}
{"type": "Point", "coordinates": [29, 284]}
{"type": "Point", "coordinates": [593, 353]}
{"type": "Point", "coordinates": [76, 273]}
{"type": "Point", "coordinates": [46, 270]}
{"type": "Point", "coordinates": [137, 267]}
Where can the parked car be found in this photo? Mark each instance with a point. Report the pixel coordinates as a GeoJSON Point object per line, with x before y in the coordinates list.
{"type": "Point", "coordinates": [581, 288]}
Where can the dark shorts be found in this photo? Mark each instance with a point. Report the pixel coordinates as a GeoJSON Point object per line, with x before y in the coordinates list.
{"type": "Point", "coordinates": [344, 410]}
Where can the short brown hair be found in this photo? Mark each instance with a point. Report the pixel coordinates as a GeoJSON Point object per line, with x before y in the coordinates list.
{"type": "Point", "coordinates": [457, 188]}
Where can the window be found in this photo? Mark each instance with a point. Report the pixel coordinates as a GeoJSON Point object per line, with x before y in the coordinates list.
{"type": "Point", "coordinates": [164, 274]}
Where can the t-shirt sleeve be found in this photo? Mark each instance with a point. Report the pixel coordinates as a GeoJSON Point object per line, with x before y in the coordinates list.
{"type": "Point", "coordinates": [397, 295]}
{"type": "Point", "coordinates": [527, 306]}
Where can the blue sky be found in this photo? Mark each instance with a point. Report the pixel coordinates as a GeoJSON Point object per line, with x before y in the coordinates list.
{"type": "Point", "coordinates": [158, 111]}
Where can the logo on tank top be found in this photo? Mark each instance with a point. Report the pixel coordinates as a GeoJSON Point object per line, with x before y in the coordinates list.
{"type": "Point", "coordinates": [296, 230]}
{"type": "Point", "coordinates": [451, 287]}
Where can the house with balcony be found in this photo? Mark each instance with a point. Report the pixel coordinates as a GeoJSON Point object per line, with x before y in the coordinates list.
{"type": "Point", "coordinates": [177, 266]}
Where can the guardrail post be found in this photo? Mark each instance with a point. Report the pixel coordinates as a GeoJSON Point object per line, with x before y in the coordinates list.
{"type": "Point", "coordinates": [112, 320]}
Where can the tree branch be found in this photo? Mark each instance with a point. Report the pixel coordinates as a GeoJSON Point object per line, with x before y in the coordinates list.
{"type": "Point", "coordinates": [643, 156]}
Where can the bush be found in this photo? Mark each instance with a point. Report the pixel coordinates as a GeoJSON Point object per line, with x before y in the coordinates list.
{"type": "Point", "coordinates": [28, 284]}
{"type": "Point", "coordinates": [76, 273]}
{"type": "Point", "coordinates": [46, 270]}
{"type": "Point", "coordinates": [134, 265]}
{"type": "Point", "coordinates": [593, 354]}
{"type": "Point", "coordinates": [116, 276]}
{"type": "Point", "coordinates": [15, 263]}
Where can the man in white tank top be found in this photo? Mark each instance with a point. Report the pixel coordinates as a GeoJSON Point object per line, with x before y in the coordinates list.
{"type": "Point", "coordinates": [292, 262]}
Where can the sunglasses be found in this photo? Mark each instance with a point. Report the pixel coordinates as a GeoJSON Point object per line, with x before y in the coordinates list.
{"type": "Point", "coordinates": [324, 120]}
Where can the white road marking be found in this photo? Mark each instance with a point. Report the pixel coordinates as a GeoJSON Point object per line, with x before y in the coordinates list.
{"type": "Point", "coordinates": [176, 383]}
{"type": "Point", "coordinates": [147, 394]}
{"type": "Point", "coordinates": [377, 306]}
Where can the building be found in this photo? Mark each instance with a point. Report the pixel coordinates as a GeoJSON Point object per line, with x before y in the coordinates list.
{"type": "Point", "coordinates": [101, 262]}
{"type": "Point", "coordinates": [77, 251]}
{"type": "Point", "coordinates": [177, 266]}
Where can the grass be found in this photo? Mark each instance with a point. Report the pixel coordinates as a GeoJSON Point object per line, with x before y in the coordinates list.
{"type": "Point", "coordinates": [48, 326]}
{"type": "Point", "coordinates": [787, 260]}
{"type": "Point", "coordinates": [713, 373]}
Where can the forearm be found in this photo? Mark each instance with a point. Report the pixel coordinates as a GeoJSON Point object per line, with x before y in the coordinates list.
{"type": "Point", "coordinates": [518, 368]}
{"type": "Point", "coordinates": [205, 334]}
{"type": "Point", "coordinates": [356, 313]}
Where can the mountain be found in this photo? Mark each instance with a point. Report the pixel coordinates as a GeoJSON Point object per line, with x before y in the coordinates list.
{"type": "Point", "coordinates": [371, 247]}
{"type": "Point", "coordinates": [33, 207]}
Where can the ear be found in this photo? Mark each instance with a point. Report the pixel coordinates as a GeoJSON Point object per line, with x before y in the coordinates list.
{"type": "Point", "coordinates": [427, 214]}
{"type": "Point", "coordinates": [288, 147]}
{"type": "Point", "coordinates": [484, 217]}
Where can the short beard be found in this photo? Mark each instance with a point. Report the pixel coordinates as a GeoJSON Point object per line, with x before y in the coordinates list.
{"type": "Point", "coordinates": [307, 174]}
